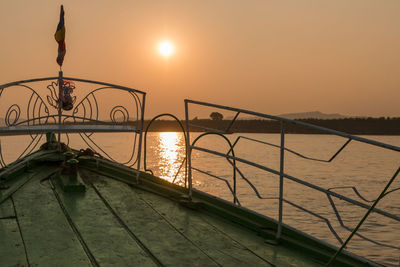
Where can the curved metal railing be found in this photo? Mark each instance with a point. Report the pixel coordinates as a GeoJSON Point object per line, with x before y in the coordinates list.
{"type": "Point", "coordinates": [34, 106]}
{"type": "Point", "coordinates": [230, 156]}
{"type": "Point", "coordinates": [145, 145]}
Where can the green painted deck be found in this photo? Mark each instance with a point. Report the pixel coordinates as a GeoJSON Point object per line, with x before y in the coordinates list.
{"type": "Point", "coordinates": [117, 222]}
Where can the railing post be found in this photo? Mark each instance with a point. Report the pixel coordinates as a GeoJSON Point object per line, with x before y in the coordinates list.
{"type": "Point", "coordinates": [188, 149]}
{"type": "Point", "coordinates": [140, 138]}
{"type": "Point", "coordinates": [282, 164]}
{"type": "Point", "coordinates": [60, 84]}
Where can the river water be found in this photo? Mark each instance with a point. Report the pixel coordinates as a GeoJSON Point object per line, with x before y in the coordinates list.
{"type": "Point", "coordinates": [364, 167]}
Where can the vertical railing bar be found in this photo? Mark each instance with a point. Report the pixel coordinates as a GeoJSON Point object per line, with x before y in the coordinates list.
{"type": "Point", "coordinates": [364, 218]}
{"type": "Point", "coordinates": [189, 149]}
{"type": "Point", "coordinates": [60, 82]}
{"type": "Point", "coordinates": [282, 148]}
{"type": "Point", "coordinates": [140, 138]}
{"type": "Point", "coordinates": [233, 121]}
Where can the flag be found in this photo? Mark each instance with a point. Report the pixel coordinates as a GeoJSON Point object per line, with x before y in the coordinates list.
{"type": "Point", "coordinates": [60, 38]}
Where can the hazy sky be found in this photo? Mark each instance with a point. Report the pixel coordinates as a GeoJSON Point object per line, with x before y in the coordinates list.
{"type": "Point", "coordinates": [269, 56]}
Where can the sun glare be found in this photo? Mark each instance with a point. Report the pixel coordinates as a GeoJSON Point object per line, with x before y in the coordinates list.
{"type": "Point", "coordinates": [170, 154]}
{"type": "Point", "coordinates": [166, 48]}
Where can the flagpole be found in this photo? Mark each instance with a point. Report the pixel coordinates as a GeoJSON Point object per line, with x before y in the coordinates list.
{"type": "Point", "coordinates": [60, 38]}
{"type": "Point", "coordinates": [60, 84]}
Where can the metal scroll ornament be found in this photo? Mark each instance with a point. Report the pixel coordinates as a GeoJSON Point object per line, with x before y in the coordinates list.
{"type": "Point", "coordinates": [67, 101]}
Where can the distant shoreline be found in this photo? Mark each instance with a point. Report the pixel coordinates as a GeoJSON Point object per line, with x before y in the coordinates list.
{"type": "Point", "coordinates": [355, 126]}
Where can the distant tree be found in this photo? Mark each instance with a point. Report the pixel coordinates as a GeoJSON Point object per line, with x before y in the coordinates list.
{"type": "Point", "coordinates": [216, 116]}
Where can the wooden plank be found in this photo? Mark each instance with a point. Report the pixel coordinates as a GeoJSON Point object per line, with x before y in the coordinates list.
{"type": "Point", "coordinates": [221, 247]}
{"type": "Point", "coordinates": [106, 238]}
{"type": "Point", "coordinates": [47, 234]}
{"type": "Point", "coordinates": [19, 175]}
{"type": "Point", "coordinates": [6, 209]}
{"type": "Point", "coordinates": [15, 183]}
{"type": "Point", "coordinates": [12, 251]}
{"type": "Point", "coordinates": [167, 244]}
{"type": "Point", "coordinates": [276, 254]}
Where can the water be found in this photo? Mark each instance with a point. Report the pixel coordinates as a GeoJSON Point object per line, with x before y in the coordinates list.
{"type": "Point", "coordinates": [366, 167]}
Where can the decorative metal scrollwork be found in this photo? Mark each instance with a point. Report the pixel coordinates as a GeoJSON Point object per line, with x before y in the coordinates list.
{"type": "Point", "coordinates": [105, 105]}
{"type": "Point", "coordinates": [67, 101]}
{"type": "Point", "coordinates": [12, 115]}
{"type": "Point", "coordinates": [119, 110]}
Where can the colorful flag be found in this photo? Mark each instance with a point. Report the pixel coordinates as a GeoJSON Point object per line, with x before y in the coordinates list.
{"type": "Point", "coordinates": [60, 38]}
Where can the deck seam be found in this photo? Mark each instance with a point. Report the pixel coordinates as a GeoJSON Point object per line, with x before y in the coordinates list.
{"type": "Point", "coordinates": [8, 217]}
{"type": "Point", "coordinates": [73, 226]}
{"type": "Point", "coordinates": [244, 246]}
{"type": "Point", "coordinates": [177, 230]}
{"type": "Point", "coordinates": [19, 229]}
{"type": "Point", "coordinates": [122, 223]}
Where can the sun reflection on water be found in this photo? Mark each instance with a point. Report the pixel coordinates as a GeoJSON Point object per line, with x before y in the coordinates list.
{"type": "Point", "coordinates": [171, 154]}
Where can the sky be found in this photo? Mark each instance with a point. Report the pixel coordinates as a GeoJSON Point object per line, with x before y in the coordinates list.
{"type": "Point", "coordinates": [268, 56]}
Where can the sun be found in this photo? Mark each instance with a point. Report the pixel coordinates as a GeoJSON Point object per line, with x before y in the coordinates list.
{"type": "Point", "coordinates": [166, 48]}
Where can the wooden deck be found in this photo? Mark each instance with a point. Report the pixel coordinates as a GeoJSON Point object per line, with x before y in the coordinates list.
{"type": "Point", "coordinates": [116, 224]}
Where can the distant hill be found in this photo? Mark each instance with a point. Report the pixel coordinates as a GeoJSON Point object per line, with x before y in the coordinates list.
{"type": "Point", "coordinates": [313, 115]}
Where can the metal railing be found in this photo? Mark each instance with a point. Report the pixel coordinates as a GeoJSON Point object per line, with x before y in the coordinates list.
{"type": "Point", "coordinates": [36, 106]}
{"type": "Point", "coordinates": [232, 159]}
{"type": "Point", "coordinates": [145, 145]}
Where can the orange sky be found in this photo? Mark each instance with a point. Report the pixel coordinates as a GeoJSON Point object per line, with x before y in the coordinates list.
{"type": "Point", "coordinates": [269, 56]}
